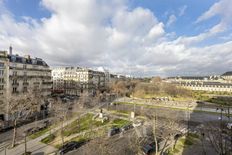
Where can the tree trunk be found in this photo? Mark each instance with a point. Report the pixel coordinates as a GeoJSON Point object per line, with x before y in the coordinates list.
{"type": "Point", "coordinates": [156, 146]}
{"type": "Point", "coordinates": [14, 133]}
{"type": "Point", "coordinates": [25, 138]}
{"type": "Point", "coordinates": [165, 145]}
{"type": "Point", "coordinates": [156, 143]}
{"type": "Point", "coordinates": [62, 132]}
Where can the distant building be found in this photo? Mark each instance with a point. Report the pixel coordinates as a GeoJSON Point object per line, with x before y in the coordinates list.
{"type": "Point", "coordinates": [58, 80]}
{"type": "Point", "coordinates": [203, 83]}
{"type": "Point", "coordinates": [206, 86]}
{"type": "Point", "coordinates": [19, 75]}
{"type": "Point", "coordinates": [227, 76]}
{"type": "Point", "coordinates": [76, 80]}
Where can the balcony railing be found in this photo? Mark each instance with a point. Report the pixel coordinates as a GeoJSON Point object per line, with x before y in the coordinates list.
{"type": "Point", "coordinates": [15, 84]}
{"type": "Point", "coordinates": [25, 83]}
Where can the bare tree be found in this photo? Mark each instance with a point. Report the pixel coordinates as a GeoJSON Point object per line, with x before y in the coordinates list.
{"type": "Point", "coordinates": [218, 138]}
{"type": "Point", "coordinates": [60, 110]}
{"type": "Point", "coordinates": [20, 107]}
{"type": "Point", "coordinates": [164, 132]}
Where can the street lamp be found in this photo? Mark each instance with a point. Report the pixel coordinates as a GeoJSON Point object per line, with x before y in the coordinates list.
{"type": "Point", "coordinates": [221, 140]}
{"type": "Point", "coordinates": [25, 141]}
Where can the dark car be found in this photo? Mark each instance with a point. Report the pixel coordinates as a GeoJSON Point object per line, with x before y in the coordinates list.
{"type": "Point", "coordinates": [127, 127]}
{"type": "Point", "coordinates": [113, 131]}
{"type": "Point", "coordinates": [73, 145]}
{"type": "Point", "coordinates": [149, 148]}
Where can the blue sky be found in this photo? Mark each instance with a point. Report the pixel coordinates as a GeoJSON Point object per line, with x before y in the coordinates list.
{"type": "Point", "coordinates": [31, 8]}
{"type": "Point", "coordinates": [161, 8]}
{"type": "Point", "coordinates": [146, 37]}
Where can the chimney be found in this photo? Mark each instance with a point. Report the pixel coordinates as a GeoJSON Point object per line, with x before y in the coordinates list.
{"type": "Point", "coordinates": [10, 50]}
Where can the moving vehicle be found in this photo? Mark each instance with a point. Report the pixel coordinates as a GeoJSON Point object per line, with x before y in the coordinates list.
{"type": "Point", "coordinates": [73, 145]}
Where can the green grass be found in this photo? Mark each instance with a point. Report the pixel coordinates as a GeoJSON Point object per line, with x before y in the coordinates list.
{"type": "Point", "coordinates": [78, 125]}
{"type": "Point", "coordinates": [83, 124]}
{"type": "Point", "coordinates": [224, 99]}
{"type": "Point", "coordinates": [196, 95]}
{"type": "Point", "coordinates": [48, 139]}
{"type": "Point", "coordinates": [39, 133]}
{"type": "Point", "coordinates": [119, 122]}
{"type": "Point", "coordinates": [184, 142]}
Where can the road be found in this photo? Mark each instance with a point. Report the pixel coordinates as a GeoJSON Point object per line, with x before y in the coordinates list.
{"type": "Point", "coordinates": [199, 116]}
{"type": "Point", "coordinates": [115, 145]}
{"type": "Point", "coordinates": [36, 146]}
{"type": "Point", "coordinates": [7, 136]}
{"type": "Point", "coordinates": [182, 105]}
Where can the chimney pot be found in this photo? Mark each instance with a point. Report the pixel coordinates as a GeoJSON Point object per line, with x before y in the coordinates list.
{"type": "Point", "coordinates": [10, 50]}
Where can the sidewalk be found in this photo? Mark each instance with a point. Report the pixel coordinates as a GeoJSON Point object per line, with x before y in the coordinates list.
{"type": "Point", "coordinates": [35, 146]}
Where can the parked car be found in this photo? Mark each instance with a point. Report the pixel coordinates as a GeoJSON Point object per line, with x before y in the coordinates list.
{"type": "Point", "coordinates": [73, 145]}
{"type": "Point", "coordinates": [113, 131]}
{"type": "Point", "coordinates": [127, 127]}
{"type": "Point", "coordinates": [47, 123]}
{"type": "Point", "coordinates": [229, 125]}
{"type": "Point", "coordinates": [148, 148]}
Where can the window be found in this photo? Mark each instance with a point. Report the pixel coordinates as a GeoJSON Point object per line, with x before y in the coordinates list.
{"type": "Point", "coordinates": [1, 72]}
{"type": "Point", "coordinates": [14, 90]}
{"type": "Point", "coordinates": [24, 89]}
{"type": "Point", "coordinates": [1, 65]}
{"type": "Point", "coordinates": [14, 81]}
{"type": "Point", "coordinates": [24, 66]}
{"type": "Point", "coordinates": [1, 80]}
{"type": "Point", "coordinates": [1, 87]}
{"type": "Point", "coordinates": [14, 73]}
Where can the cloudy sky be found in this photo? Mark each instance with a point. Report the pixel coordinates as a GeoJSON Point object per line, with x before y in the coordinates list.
{"type": "Point", "coordinates": [138, 37]}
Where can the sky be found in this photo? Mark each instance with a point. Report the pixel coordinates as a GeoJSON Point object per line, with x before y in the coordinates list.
{"type": "Point", "coordinates": [136, 37]}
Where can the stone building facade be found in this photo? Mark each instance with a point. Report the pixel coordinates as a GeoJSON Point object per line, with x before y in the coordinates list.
{"type": "Point", "coordinates": [207, 86]}
{"type": "Point", "coordinates": [207, 83]}
{"type": "Point", "coordinates": [227, 76]}
{"type": "Point", "coordinates": [21, 74]}
{"type": "Point", "coordinates": [77, 80]}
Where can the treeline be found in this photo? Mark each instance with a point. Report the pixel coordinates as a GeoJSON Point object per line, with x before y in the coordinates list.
{"type": "Point", "coordinates": [152, 88]}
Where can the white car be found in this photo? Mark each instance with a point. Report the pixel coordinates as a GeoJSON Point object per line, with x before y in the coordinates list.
{"type": "Point", "coordinates": [229, 125]}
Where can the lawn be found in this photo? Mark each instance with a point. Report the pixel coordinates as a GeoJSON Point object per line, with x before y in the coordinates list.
{"type": "Point", "coordinates": [182, 143]}
{"type": "Point", "coordinates": [39, 133]}
{"type": "Point", "coordinates": [120, 122]}
{"type": "Point", "coordinates": [82, 124]}
{"type": "Point", "coordinates": [48, 139]}
{"type": "Point", "coordinates": [220, 98]}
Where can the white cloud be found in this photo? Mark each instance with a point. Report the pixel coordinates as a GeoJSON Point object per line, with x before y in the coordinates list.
{"type": "Point", "coordinates": [96, 33]}
{"type": "Point", "coordinates": [172, 18]}
{"type": "Point", "coordinates": [182, 10]}
{"type": "Point", "coordinates": [223, 8]}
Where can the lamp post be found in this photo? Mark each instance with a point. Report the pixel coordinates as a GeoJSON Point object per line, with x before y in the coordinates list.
{"type": "Point", "coordinates": [221, 140]}
{"type": "Point", "coordinates": [25, 141]}
{"type": "Point", "coordinates": [188, 117]}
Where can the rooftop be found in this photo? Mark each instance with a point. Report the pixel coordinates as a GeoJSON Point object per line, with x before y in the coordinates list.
{"type": "Point", "coordinates": [27, 60]}
{"type": "Point", "coordinates": [227, 73]}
